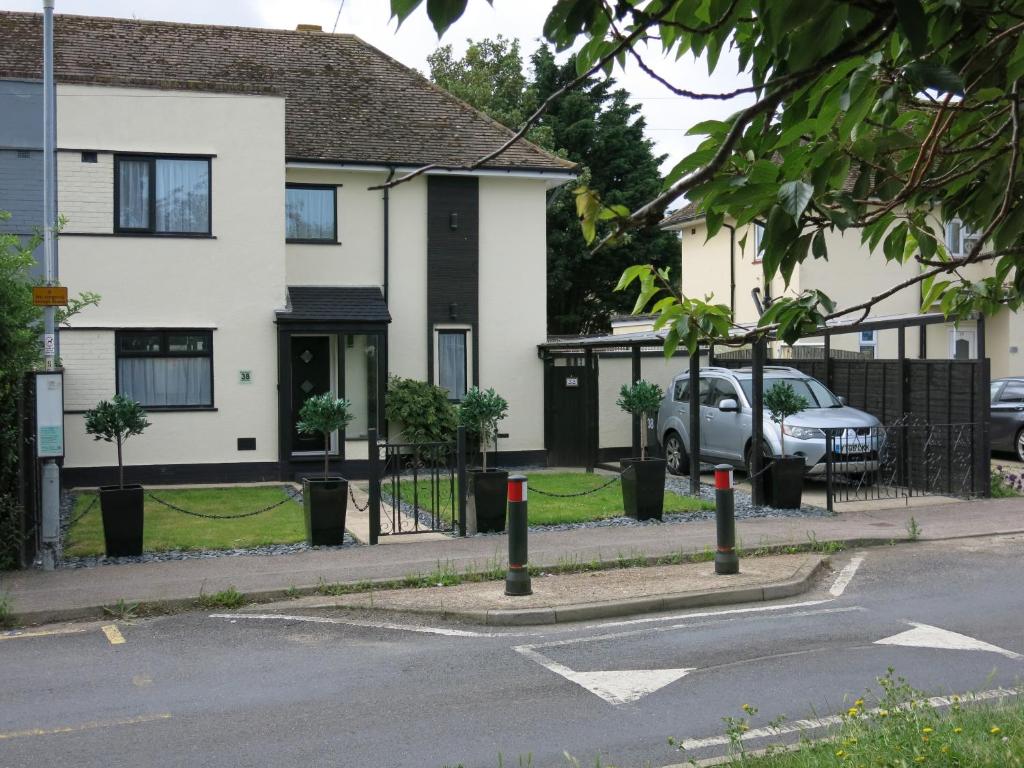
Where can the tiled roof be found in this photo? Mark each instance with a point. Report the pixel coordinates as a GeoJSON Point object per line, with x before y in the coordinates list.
{"type": "Point", "coordinates": [308, 303]}
{"type": "Point", "coordinates": [346, 101]}
{"type": "Point", "coordinates": [688, 212]}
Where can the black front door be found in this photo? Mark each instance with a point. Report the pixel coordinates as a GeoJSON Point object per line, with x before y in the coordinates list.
{"type": "Point", "coordinates": [311, 375]}
{"type": "Point", "coordinates": [568, 415]}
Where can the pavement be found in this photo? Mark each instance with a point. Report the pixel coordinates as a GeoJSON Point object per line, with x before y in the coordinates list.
{"type": "Point", "coordinates": [65, 594]}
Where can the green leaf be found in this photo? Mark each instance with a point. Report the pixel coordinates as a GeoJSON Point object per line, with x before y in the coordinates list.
{"type": "Point", "coordinates": [794, 197]}
{"type": "Point", "coordinates": [818, 247]}
{"type": "Point", "coordinates": [1015, 65]}
{"type": "Point", "coordinates": [444, 13]}
{"type": "Point", "coordinates": [936, 76]}
{"type": "Point", "coordinates": [914, 24]}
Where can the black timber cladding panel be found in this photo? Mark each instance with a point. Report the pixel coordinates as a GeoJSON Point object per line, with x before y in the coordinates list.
{"type": "Point", "coordinates": [453, 260]}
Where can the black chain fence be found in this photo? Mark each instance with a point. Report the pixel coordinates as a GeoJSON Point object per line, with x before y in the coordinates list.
{"type": "Point", "coordinates": [84, 512]}
{"type": "Point", "coordinates": [352, 495]}
{"type": "Point", "coordinates": [288, 497]}
{"type": "Point", "coordinates": [535, 489]}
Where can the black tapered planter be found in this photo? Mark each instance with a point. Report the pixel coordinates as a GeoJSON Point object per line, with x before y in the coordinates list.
{"type": "Point", "coordinates": [325, 503]}
{"type": "Point", "coordinates": [122, 519]}
{"type": "Point", "coordinates": [643, 488]}
{"type": "Point", "coordinates": [785, 482]}
{"type": "Point", "coordinates": [487, 494]}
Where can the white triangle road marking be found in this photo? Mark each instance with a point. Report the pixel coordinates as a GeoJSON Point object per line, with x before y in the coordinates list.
{"type": "Point", "coordinates": [927, 636]}
{"type": "Point", "coordinates": [616, 686]}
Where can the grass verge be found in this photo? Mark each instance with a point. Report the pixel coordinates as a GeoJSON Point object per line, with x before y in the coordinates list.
{"type": "Point", "coordinates": [548, 510]}
{"type": "Point", "coordinates": [166, 529]}
{"type": "Point", "coordinates": [898, 727]}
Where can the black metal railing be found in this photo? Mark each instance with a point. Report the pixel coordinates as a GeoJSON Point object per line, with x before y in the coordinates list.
{"type": "Point", "coordinates": [417, 487]}
{"type": "Point", "coordinates": [903, 460]}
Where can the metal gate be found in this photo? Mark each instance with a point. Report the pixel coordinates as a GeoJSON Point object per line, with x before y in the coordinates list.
{"type": "Point", "coordinates": [417, 487]}
{"type": "Point", "coordinates": [909, 458]}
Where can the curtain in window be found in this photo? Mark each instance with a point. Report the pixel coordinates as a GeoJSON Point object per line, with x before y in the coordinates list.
{"type": "Point", "coordinates": [166, 380]}
{"type": "Point", "coordinates": [309, 214]}
{"type": "Point", "coordinates": [451, 350]}
{"type": "Point", "coordinates": [182, 196]}
{"type": "Point", "coordinates": [133, 194]}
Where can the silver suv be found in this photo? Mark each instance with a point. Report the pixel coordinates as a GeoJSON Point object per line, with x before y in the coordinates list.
{"type": "Point", "coordinates": [725, 429]}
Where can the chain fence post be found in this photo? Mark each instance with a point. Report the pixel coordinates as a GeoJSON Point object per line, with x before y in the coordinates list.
{"type": "Point", "coordinates": [374, 471]}
{"type": "Point", "coordinates": [517, 578]}
{"type": "Point", "coordinates": [726, 560]}
{"type": "Point", "coordinates": [460, 464]}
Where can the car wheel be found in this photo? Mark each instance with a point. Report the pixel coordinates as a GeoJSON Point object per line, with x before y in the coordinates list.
{"type": "Point", "coordinates": [1019, 446]}
{"type": "Point", "coordinates": [676, 460]}
{"type": "Point", "coordinates": [747, 455]}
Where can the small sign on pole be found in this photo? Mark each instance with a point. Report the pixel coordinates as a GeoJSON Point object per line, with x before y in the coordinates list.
{"type": "Point", "coordinates": [49, 415]}
{"type": "Point", "coordinates": [50, 295]}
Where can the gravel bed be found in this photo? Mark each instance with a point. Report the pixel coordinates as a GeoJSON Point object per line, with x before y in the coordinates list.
{"type": "Point", "coordinates": [89, 561]}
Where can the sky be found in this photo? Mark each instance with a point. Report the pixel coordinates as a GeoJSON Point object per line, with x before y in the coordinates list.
{"type": "Point", "coordinates": [668, 116]}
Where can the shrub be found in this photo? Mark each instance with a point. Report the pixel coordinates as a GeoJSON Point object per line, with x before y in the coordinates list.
{"type": "Point", "coordinates": [781, 402]}
{"type": "Point", "coordinates": [642, 398]}
{"type": "Point", "coordinates": [423, 412]}
{"type": "Point", "coordinates": [114, 421]}
{"type": "Point", "coordinates": [324, 414]}
{"type": "Point", "coordinates": [480, 412]}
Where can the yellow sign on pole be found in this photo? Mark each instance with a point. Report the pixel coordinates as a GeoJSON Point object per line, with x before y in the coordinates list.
{"type": "Point", "coordinates": [49, 295]}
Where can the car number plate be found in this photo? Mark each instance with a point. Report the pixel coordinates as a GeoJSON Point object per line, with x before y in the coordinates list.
{"type": "Point", "coordinates": [852, 447]}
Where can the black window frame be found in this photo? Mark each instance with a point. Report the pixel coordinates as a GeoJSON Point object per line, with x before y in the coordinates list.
{"type": "Point", "coordinates": [164, 334]}
{"type": "Point", "coordinates": [464, 332]}
{"type": "Point", "coordinates": [333, 189]}
{"type": "Point", "coordinates": [151, 230]}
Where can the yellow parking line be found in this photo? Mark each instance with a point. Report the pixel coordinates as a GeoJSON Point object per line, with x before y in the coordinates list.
{"type": "Point", "coordinates": [84, 726]}
{"type": "Point", "coordinates": [113, 634]}
{"type": "Point", "coordinates": [15, 634]}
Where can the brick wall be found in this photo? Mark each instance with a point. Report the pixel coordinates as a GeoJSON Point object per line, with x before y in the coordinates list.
{"type": "Point", "coordinates": [88, 358]}
{"type": "Point", "coordinates": [85, 192]}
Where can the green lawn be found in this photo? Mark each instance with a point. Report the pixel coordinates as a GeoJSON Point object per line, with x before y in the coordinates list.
{"type": "Point", "coordinates": [165, 529]}
{"type": "Point", "coordinates": [546, 510]}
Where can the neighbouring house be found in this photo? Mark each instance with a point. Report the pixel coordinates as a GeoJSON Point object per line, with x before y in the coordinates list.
{"type": "Point", "coordinates": [221, 187]}
{"type": "Point", "coordinates": [21, 158]}
{"type": "Point", "coordinates": [728, 267]}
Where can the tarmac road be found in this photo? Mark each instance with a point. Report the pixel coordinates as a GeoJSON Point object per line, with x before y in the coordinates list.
{"type": "Point", "coordinates": [357, 690]}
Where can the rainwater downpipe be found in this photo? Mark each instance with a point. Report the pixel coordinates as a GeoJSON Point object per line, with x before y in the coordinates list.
{"type": "Point", "coordinates": [732, 268]}
{"type": "Point", "coordinates": [387, 228]}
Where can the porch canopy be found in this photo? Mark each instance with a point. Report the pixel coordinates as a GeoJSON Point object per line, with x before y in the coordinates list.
{"type": "Point", "coordinates": [636, 343]}
{"type": "Point", "coordinates": [334, 304]}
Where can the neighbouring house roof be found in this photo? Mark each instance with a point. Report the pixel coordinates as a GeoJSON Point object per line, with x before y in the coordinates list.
{"type": "Point", "coordinates": [689, 212]}
{"type": "Point", "coordinates": [346, 101]}
{"type": "Point", "coordinates": [315, 303]}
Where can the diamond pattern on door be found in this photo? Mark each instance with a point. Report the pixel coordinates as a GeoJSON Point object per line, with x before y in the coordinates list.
{"type": "Point", "coordinates": [306, 357]}
{"type": "Point", "coordinates": [306, 386]}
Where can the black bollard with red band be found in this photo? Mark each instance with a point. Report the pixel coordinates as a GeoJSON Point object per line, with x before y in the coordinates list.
{"type": "Point", "coordinates": [726, 561]}
{"type": "Point", "coordinates": [517, 578]}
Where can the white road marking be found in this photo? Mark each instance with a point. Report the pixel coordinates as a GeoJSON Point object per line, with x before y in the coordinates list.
{"type": "Point", "coordinates": [616, 686]}
{"type": "Point", "coordinates": [83, 726]}
{"type": "Point", "coordinates": [356, 623]}
{"type": "Point", "coordinates": [927, 636]}
{"type": "Point", "coordinates": [688, 625]}
{"type": "Point", "coordinates": [14, 634]}
{"type": "Point", "coordinates": [723, 612]}
{"type": "Point", "coordinates": [845, 575]}
{"type": "Point", "coordinates": [798, 726]}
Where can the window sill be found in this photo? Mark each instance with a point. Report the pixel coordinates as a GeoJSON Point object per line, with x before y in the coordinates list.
{"type": "Point", "coordinates": [312, 242]}
{"type": "Point", "coordinates": [165, 235]}
{"type": "Point", "coordinates": [178, 408]}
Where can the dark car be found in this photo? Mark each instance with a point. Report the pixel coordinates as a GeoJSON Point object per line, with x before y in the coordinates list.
{"type": "Point", "coordinates": [1008, 416]}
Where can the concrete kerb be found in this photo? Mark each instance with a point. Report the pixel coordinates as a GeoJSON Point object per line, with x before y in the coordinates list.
{"type": "Point", "coordinates": [151, 607]}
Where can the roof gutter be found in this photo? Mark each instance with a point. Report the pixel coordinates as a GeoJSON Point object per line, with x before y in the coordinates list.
{"type": "Point", "coordinates": [553, 177]}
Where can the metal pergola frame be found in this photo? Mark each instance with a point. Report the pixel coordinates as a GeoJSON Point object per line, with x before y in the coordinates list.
{"type": "Point", "coordinates": [636, 343]}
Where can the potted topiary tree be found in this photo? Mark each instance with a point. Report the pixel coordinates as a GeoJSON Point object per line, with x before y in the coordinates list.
{"type": "Point", "coordinates": [486, 494]}
{"type": "Point", "coordinates": [114, 421]}
{"type": "Point", "coordinates": [643, 478]}
{"type": "Point", "coordinates": [325, 501]}
{"type": "Point", "coordinates": [785, 477]}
